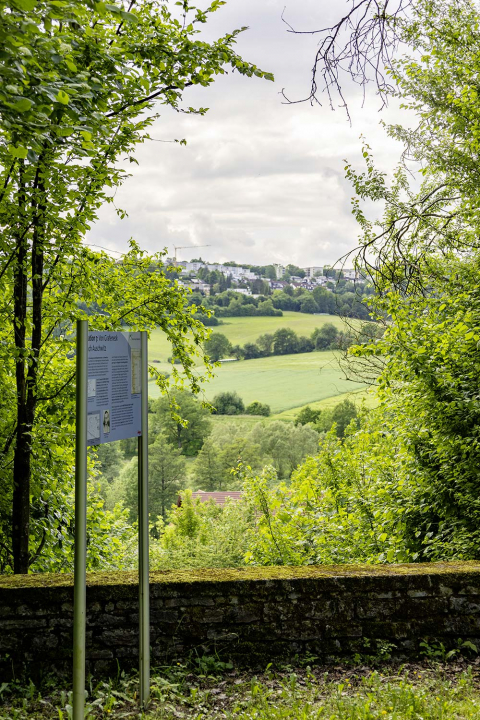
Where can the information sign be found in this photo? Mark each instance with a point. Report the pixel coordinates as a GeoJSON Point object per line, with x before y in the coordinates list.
{"type": "Point", "coordinates": [114, 386]}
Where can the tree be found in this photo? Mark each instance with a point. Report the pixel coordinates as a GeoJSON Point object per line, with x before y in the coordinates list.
{"type": "Point", "coordinates": [166, 475]}
{"type": "Point", "coordinates": [79, 100]}
{"type": "Point", "coordinates": [308, 304]}
{"type": "Point", "coordinates": [258, 408]}
{"type": "Point", "coordinates": [250, 351]}
{"type": "Point", "coordinates": [295, 270]}
{"type": "Point", "coordinates": [208, 469]}
{"type": "Point", "coordinates": [284, 341]}
{"type": "Point", "coordinates": [307, 415]}
{"type": "Point", "coordinates": [109, 461]}
{"type": "Point", "coordinates": [325, 337]}
{"type": "Point", "coordinates": [240, 450]}
{"type": "Point", "coordinates": [342, 415]}
{"type": "Point", "coordinates": [265, 343]}
{"type": "Point", "coordinates": [191, 425]}
{"type": "Point", "coordinates": [228, 403]}
{"type": "Point", "coordinates": [217, 346]}
{"type": "Point", "coordinates": [305, 345]}
{"type": "Point", "coordinates": [285, 444]}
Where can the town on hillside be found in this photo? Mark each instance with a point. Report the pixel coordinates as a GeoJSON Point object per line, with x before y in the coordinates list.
{"type": "Point", "coordinates": [257, 280]}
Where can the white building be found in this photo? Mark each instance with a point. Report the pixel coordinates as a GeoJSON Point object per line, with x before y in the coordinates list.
{"type": "Point", "coordinates": [310, 272]}
{"type": "Point", "coordinates": [242, 291]}
{"type": "Point", "coordinates": [279, 270]}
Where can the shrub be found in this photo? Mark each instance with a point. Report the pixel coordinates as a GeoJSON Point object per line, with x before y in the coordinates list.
{"type": "Point", "coordinates": [228, 403]}
{"type": "Point", "coordinates": [325, 338]}
{"type": "Point", "coordinates": [258, 408]}
{"type": "Point", "coordinates": [251, 351]}
{"type": "Point", "coordinates": [307, 415]}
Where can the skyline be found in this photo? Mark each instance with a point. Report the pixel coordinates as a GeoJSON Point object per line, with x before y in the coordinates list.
{"type": "Point", "coordinates": [259, 181]}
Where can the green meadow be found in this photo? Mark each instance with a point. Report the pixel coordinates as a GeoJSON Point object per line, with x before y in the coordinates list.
{"type": "Point", "coordinates": [240, 330]}
{"type": "Point", "coordinates": [285, 382]}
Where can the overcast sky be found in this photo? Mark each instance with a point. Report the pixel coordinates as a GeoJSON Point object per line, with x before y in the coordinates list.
{"type": "Point", "coordinates": [259, 181]}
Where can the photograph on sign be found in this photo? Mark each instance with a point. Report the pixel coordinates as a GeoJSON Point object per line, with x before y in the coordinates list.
{"type": "Point", "coordinates": [114, 386]}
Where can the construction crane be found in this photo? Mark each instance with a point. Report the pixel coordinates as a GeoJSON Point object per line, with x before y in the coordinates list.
{"type": "Point", "coordinates": [184, 247]}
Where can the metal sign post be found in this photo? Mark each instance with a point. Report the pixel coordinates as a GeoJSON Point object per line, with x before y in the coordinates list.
{"type": "Point", "coordinates": [112, 404]}
{"type": "Point", "coordinates": [143, 564]}
{"type": "Point", "coordinates": [80, 577]}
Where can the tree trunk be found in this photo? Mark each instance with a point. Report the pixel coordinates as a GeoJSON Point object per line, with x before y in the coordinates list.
{"type": "Point", "coordinates": [22, 456]}
{"type": "Point", "coordinates": [26, 379]}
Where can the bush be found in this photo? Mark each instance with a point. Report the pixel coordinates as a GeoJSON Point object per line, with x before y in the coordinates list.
{"type": "Point", "coordinates": [258, 408]}
{"type": "Point", "coordinates": [307, 415]}
{"type": "Point", "coordinates": [325, 338]}
{"type": "Point", "coordinates": [251, 351]}
{"type": "Point", "coordinates": [211, 321]}
{"type": "Point", "coordinates": [228, 403]}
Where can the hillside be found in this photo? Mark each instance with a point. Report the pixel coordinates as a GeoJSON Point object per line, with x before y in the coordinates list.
{"type": "Point", "coordinates": [284, 382]}
{"type": "Point", "coordinates": [240, 330]}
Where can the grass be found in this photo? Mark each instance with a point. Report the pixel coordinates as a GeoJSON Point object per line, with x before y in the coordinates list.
{"type": "Point", "coordinates": [286, 383]}
{"type": "Point", "coordinates": [240, 330]}
{"type": "Point", "coordinates": [359, 397]}
{"type": "Point", "coordinates": [207, 688]}
{"type": "Point", "coordinates": [283, 382]}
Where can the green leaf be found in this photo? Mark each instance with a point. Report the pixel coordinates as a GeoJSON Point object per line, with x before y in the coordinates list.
{"type": "Point", "coordinates": [26, 5]}
{"type": "Point", "coordinates": [23, 105]}
{"type": "Point", "coordinates": [128, 16]}
{"type": "Point", "coordinates": [18, 152]}
{"type": "Point", "coordinates": [62, 97]}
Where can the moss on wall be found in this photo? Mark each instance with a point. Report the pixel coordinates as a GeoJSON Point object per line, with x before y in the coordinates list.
{"type": "Point", "coordinates": [216, 575]}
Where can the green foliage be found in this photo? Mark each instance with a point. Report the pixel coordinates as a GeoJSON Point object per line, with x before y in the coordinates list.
{"type": "Point", "coordinates": [307, 415]}
{"type": "Point", "coordinates": [109, 460]}
{"type": "Point", "coordinates": [111, 540]}
{"type": "Point", "coordinates": [345, 504]}
{"type": "Point", "coordinates": [258, 408]}
{"type": "Point", "coordinates": [228, 403]}
{"type": "Point", "coordinates": [284, 341]}
{"type": "Point", "coordinates": [208, 470]}
{"type": "Point", "coordinates": [199, 535]}
{"type": "Point", "coordinates": [190, 425]}
{"type": "Point", "coordinates": [217, 347]}
{"type": "Point", "coordinates": [340, 416]}
{"type": "Point", "coordinates": [325, 337]}
{"type": "Point", "coordinates": [166, 475]}
{"type": "Point", "coordinates": [78, 86]}
{"type": "Point", "coordinates": [285, 446]}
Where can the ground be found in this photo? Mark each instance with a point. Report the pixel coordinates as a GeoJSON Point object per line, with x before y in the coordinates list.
{"type": "Point", "coordinates": [206, 688]}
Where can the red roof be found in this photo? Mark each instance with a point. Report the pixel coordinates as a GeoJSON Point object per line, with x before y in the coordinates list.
{"type": "Point", "coordinates": [218, 497]}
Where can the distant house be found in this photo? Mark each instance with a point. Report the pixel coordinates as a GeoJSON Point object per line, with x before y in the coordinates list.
{"type": "Point", "coordinates": [218, 497]}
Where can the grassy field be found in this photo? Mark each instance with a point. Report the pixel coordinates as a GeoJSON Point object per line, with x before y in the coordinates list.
{"type": "Point", "coordinates": [287, 382]}
{"type": "Point", "coordinates": [283, 382]}
{"type": "Point", "coordinates": [240, 330]}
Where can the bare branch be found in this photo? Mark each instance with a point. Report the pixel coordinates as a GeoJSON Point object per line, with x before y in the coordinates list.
{"type": "Point", "coordinates": [359, 47]}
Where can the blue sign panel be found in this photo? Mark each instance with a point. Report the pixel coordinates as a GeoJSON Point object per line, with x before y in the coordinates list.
{"type": "Point", "coordinates": [114, 386]}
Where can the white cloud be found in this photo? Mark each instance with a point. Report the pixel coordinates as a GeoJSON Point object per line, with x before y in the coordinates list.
{"type": "Point", "coordinates": [259, 181]}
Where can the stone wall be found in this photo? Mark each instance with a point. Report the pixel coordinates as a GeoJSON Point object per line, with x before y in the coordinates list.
{"type": "Point", "coordinates": [251, 616]}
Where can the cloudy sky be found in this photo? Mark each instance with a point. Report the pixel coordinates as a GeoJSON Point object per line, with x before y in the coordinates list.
{"type": "Point", "coordinates": [259, 181]}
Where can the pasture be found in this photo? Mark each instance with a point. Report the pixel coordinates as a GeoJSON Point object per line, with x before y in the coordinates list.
{"type": "Point", "coordinates": [283, 382]}
{"type": "Point", "coordinates": [240, 330]}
